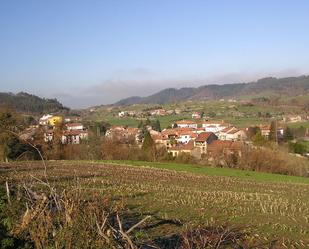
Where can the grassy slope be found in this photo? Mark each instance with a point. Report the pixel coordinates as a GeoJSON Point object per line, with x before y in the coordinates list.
{"type": "Point", "coordinates": [224, 111]}
{"type": "Point", "coordinates": [211, 171]}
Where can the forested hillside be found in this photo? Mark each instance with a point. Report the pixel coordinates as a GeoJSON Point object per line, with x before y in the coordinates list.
{"type": "Point", "coordinates": [24, 102]}
{"type": "Point", "coordinates": [291, 86]}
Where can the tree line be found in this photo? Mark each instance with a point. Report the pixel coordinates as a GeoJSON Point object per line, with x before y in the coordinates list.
{"type": "Point", "coordinates": [28, 103]}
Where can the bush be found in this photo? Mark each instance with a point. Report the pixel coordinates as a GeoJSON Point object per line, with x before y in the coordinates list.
{"type": "Point", "coordinates": [273, 161]}
{"type": "Point", "coordinates": [297, 148]}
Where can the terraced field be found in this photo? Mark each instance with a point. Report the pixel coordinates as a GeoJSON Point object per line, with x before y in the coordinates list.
{"type": "Point", "coordinates": [270, 209]}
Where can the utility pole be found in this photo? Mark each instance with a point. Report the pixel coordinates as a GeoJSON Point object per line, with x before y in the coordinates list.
{"type": "Point", "coordinates": [276, 130]}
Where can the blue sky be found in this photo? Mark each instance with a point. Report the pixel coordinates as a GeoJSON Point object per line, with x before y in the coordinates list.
{"type": "Point", "coordinates": [96, 52]}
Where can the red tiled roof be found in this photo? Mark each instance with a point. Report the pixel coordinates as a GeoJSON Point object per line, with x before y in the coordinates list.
{"type": "Point", "coordinates": [233, 131]}
{"type": "Point", "coordinates": [188, 146]}
{"type": "Point", "coordinates": [218, 146]}
{"type": "Point", "coordinates": [226, 129]}
{"type": "Point", "coordinates": [202, 137]}
{"type": "Point", "coordinates": [73, 133]}
{"type": "Point", "coordinates": [156, 137]}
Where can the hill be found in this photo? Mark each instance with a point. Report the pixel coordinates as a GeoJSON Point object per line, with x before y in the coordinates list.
{"type": "Point", "coordinates": [28, 103]}
{"type": "Point", "coordinates": [291, 86]}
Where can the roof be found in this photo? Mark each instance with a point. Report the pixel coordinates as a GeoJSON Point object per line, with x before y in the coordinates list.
{"type": "Point", "coordinates": [176, 131]}
{"type": "Point", "coordinates": [188, 146]}
{"type": "Point", "coordinates": [74, 124]}
{"type": "Point", "coordinates": [74, 133]}
{"type": "Point", "coordinates": [202, 137]}
{"type": "Point", "coordinates": [156, 137]}
{"type": "Point", "coordinates": [217, 146]}
{"type": "Point", "coordinates": [185, 122]}
{"type": "Point", "coordinates": [233, 131]}
{"type": "Point", "coordinates": [226, 129]}
{"type": "Point", "coordinates": [214, 122]}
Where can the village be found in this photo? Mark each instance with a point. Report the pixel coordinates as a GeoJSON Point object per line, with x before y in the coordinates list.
{"type": "Point", "coordinates": [196, 137]}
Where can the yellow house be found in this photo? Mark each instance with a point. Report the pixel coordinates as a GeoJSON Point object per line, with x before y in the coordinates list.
{"type": "Point", "coordinates": [54, 120]}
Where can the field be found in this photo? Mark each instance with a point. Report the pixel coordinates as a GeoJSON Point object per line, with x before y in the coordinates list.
{"type": "Point", "coordinates": [235, 113]}
{"type": "Point", "coordinates": [177, 196]}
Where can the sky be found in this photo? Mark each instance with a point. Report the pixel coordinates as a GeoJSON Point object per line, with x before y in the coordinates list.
{"type": "Point", "coordinates": [94, 52]}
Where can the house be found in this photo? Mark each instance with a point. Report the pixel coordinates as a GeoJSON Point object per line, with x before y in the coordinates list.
{"type": "Point", "coordinates": [121, 114]}
{"type": "Point", "coordinates": [158, 112]}
{"type": "Point", "coordinates": [44, 119]}
{"type": "Point", "coordinates": [186, 124]}
{"type": "Point", "coordinates": [54, 120]}
{"type": "Point", "coordinates": [214, 126]}
{"type": "Point", "coordinates": [265, 131]}
{"type": "Point", "coordinates": [219, 147]}
{"type": "Point", "coordinates": [196, 115]}
{"type": "Point", "coordinates": [74, 126]}
{"type": "Point", "coordinates": [185, 136]}
{"type": "Point", "coordinates": [72, 119]}
{"type": "Point", "coordinates": [292, 118]}
{"type": "Point", "coordinates": [185, 148]}
{"type": "Point", "coordinates": [74, 136]}
{"type": "Point", "coordinates": [232, 134]}
{"type": "Point", "coordinates": [198, 130]}
{"type": "Point", "coordinates": [48, 135]}
{"type": "Point", "coordinates": [203, 139]}
{"type": "Point", "coordinates": [122, 133]}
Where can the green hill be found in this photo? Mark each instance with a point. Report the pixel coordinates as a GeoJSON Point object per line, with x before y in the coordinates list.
{"type": "Point", "coordinates": [292, 86]}
{"type": "Point", "coordinates": [28, 103]}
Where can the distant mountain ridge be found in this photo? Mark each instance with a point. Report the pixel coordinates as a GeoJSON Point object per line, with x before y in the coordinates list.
{"type": "Point", "coordinates": [277, 86]}
{"type": "Point", "coordinates": [29, 103]}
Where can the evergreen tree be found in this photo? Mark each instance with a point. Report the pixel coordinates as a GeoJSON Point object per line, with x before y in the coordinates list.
{"type": "Point", "coordinates": [147, 122]}
{"type": "Point", "coordinates": [273, 131]}
{"type": "Point", "coordinates": [148, 142]}
{"type": "Point", "coordinates": [252, 131]}
{"type": "Point", "coordinates": [141, 124]}
{"type": "Point", "coordinates": [149, 146]}
{"type": "Point", "coordinates": [258, 139]}
{"type": "Point", "coordinates": [287, 134]}
{"type": "Point", "coordinates": [156, 125]}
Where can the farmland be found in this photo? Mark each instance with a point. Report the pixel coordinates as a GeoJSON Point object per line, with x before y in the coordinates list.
{"type": "Point", "coordinates": [272, 207]}
{"type": "Point", "coordinates": [236, 113]}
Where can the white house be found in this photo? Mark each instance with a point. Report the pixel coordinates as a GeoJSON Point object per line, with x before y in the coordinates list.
{"type": "Point", "coordinates": [292, 118]}
{"type": "Point", "coordinates": [74, 136]}
{"type": "Point", "coordinates": [121, 114]}
{"type": "Point", "coordinates": [232, 134]}
{"type": "Point", "coordinates": [214, 126]}
{"type": "Point", "coordinates": [186, 124]}
{"type": "Point", "coordinates": [196, 115]}
{"type": "Point", "coordinates": [74, 126]}
{"type": "Point", "coordinates": [44, 119]}
{"type": "Point", "coordinates": [185, 136]}
{"type": "Point", "coordinates": [48, 136]}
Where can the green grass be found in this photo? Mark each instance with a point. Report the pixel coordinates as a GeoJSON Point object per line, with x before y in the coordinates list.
{"type": "Point", "coordinates": [212, 171]}
{"type": "Point", "coordinates": [131, 122]}
{"type": "Point", "coordinates": [304, 124]}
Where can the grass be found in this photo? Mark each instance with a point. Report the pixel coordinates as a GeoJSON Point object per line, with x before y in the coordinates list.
{"type": "Point", "coordinates": [304, 124]}
{"type": "Point", "coordinates": [272, 206]}
{"type": "Point", "coordinates": [213, 171]}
